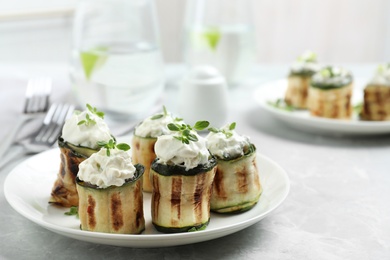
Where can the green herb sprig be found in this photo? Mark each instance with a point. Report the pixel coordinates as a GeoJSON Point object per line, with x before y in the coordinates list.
{"type": "Point", "coordinates": [308, 56]}
{"type": "Point", "coordinates": [280, 104]}
{"type": "Point", "coordinates": [164, 114]}
{"type": "Point", "coordinates": [111, 144]}
{"type": "Point", "coordinates": [186, 131]}
{"type": "Point", "coordinates": [73, 211]}
{"type": "Point", "coordinates": [228, 133]}
{"type": "Point", "coordinates": [161, 115]}
{"type": "Point", "coordinates": [88, 121]}
{"type": "Point", "coordinates": [383, 67]}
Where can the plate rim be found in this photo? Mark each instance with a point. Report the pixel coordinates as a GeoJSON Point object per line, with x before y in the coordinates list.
{"type": "Point", "coordinates": [138, 241]}
{"type": "Point", "coordinates": [325, 124]}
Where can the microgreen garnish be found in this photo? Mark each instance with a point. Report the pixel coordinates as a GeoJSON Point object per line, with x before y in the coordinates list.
{"type": "Point", "coordinates": [327, 72]}
{"type": "Point", "coordinates": [157, 116]}
{"type": "Point", "coordinates": [111, 144]}
{"type": "Point", "coordinates": [72, 211]}
{"type": "Point", "coordinates": [186, 131]}
{"type": "Point", "coordinates": [161, 115]}
{"type": "Point", "coordinates": [228, 133]}
{"type": "Point", "coordinates": [88, 121]}
{"type": "Point", "coordinates": [280, 104]}
{"type": "Point", "coordinates": [308, 56]}
{"type": "Point", "coordinates": [164, 114]}
{"type": "Point", "coordinates": [383, 67]}
{"type": "Point", "coordinates": [95, 111]}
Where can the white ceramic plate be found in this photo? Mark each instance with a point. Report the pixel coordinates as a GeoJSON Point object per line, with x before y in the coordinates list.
{"type": "Point", "coordinates": [27, 189]}
{"type": "Point", "coordinates": [302, 120]}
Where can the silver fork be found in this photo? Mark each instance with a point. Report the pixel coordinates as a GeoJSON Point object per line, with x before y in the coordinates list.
{"type": "Point", "coordinates": [37, 100]}
{"type": "Point", "coordinates": [46, 136]}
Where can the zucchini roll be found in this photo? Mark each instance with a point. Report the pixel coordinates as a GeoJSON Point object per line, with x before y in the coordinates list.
{"type": "Point", "coordinates": [330, 93]}
{"type": "Point", "coordinates": [78, 141]}
{"type": "Point", "coordinates": [145, 136]}
{"type": "Point", "coordinates": [376, 102]}
{"type": "Point", "coordinates": [182, 177]}
{"type": "Point", "coordinates": [236, 186]}
{"type": "Point", "coordinates": [110, 193]}
{"type": "Point", "coordinates": [299, 80]}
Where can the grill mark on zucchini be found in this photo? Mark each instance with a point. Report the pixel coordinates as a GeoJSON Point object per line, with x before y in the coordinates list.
{"type": "Point", "coordinates": [73, 163]}
{"type": "Point", "coordinates": [219, 187]}
{"type": "Point", "coordinates": [348, 105]}
{"type": "Point", "coordinates": [198, 194]}
{"type": "Point", "coordinates": [256, 177]}
{"type": "Point", "coordinates": [335, 113]}
{"type": "Point", "coordinates": [116, 212]}
{"type": "Point", "coordinates": [91, 212]}
{"type": "Point", "coordinates": [62, 168]}
{"type": "Point", "coordinates": [139, 220]}
{"type": "Point", "coordinates": [156, 196]}
{"type": "Point", "coordinates": [176, 198]}
{"type": "Point", "coordinates": [242, 181]}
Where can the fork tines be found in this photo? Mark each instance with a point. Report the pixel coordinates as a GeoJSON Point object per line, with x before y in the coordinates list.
{"type": "Point", "coordinates": [52, 124]}
{"type": "Point", "coordinates": [37, 95]}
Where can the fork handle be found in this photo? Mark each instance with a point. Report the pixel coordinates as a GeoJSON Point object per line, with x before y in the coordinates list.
{"type": "Point", "coordinates": [9, 138]}
{"type": "Point", "coordinates": [9, 157]}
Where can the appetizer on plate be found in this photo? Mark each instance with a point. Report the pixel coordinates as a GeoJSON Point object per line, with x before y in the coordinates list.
{"type": "Point", "coordinates": [330, 93]}
{"type": "Point", "coordinates": [299, 80]}
{"type": "Point", "coordinates": [77, 142]}
{"type": "Point", "coordinates": [236, 186]}
{"type": "Point", "coordinates": [376, 102]}
{"type": "Point", "coordinates": [145, 136]}
{"type": "Point", "coordinates": [182, 177]}
{"type": "Point", "coordinates": [110, 191]}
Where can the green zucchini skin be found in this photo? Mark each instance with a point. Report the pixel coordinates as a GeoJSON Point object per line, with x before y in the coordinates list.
{"type": "Point", "coordinates": [181, 229]}
{"type": "Point", "coordinates": [140, 169]}
{"type": "Point", "coordinates": [236, 186]}
{"type": "Point", "coordinates": [302, 73]}
{"type": "Point", "coordinates": [249, 151]}
{"type": "Point", "coordinates": [345, 81]}
{"type": "Point", "coordinates": [113, 209]}
{"type": "Point", "coordinates": [181, 199]}
{"type": "Point", "coordinates": [78, 150]}
{"type": "Point", "coordinates": [169, 170]}
{"type": "Point", "coordinates": [324, 86]}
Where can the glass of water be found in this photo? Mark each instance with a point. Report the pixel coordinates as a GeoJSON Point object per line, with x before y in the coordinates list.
{"type": "Point", "coordinates": [220, 33]}
{"type": "Point", "coordinates": [116, 62]}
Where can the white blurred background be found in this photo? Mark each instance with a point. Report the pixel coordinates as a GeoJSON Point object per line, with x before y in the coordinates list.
{"type": "Point", "coordinates": [340, 31]}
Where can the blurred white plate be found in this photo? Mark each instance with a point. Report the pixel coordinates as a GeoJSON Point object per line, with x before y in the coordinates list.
{"type": "Point", "coordinates": [302, 120]}
{"type": "Point", "coordinates": [27, 189]}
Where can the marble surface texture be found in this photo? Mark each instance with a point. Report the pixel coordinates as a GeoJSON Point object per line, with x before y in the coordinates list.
{"type": "Point", "coordinates": [337, 208]}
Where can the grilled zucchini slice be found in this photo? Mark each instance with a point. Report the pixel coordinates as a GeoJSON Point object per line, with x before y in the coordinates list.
{"type": "Point", "coordinates": [143, 153]}
{"type": "Point", "coordinates": [114, 209]}
{"type": "Point", "coordinates": [236, 186]}
{"type": "Point", "coordinates": [180, 198]}
{"type": "Point", "coordinates": [64, 191]}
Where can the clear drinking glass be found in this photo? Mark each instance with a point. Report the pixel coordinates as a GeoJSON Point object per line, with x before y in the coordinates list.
{"type": "Point", "coordinates": [220, 33]}
{"type": "Point", "coordinates": [116, 60]}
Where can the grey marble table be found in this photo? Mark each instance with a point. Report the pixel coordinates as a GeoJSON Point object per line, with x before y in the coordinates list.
{"type": "Point", "coordinates": [338, 206]}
